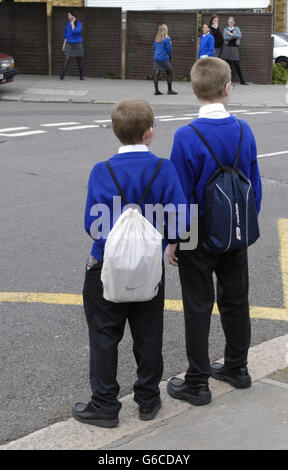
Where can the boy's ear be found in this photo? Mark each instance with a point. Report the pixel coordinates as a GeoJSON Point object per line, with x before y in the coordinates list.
{"type": "Point", "coordinates": [149, 134]}
{"type": "Point", "coordinates": [227, 89]}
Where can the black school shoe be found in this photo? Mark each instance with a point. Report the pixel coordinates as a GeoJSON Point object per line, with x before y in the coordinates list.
{"type": "Point", "coordinates": [172, 92]}
{"type": "Point", "coordinates": [197, 395]}
{"type": "Point", "coordinates": [90, 414]}
{"type": "Point", "coordinates": [238, 378]}
{"type": "Point", "coordinates": [146, 414]}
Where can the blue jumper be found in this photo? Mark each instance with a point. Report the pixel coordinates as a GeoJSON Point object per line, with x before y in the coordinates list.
{"type": "Point", "coordinates": [133, 171]}
{"type": "Point", "coordinates": [75, 34]}
{"type": "Point", "coordinates": [206, 45]}
{"type": "Point", "coordinates": [162, 50]}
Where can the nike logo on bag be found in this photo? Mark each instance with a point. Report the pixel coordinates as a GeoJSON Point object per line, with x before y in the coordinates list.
{"type": "Point", "coordinates": [133, 288]}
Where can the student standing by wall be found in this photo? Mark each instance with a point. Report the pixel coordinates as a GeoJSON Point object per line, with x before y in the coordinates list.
{"type": "Point", "coordinates": [162, 49]}
{"type": "Point", "coordinates": [206, 48]}
{"type": "Point", "coordinates": [230, 53]}
{"type": "Point", "coordinates": [218, 36]}
{"type": "Point", "coordinates": [72, 46]}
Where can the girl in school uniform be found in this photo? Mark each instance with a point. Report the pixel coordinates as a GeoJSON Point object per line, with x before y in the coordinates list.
{"type": "Point", "coordinates": [73, 44]}
{"type": "Point", "coordinates": [207, 42]}
{"type": "Point", "coordinates": [232, 36]}
{"type": "Point", "coordinates": [162, 53]}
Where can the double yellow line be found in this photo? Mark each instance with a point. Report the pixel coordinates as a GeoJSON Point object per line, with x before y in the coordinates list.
{"type": "Point", "coordinates": [267, 313]}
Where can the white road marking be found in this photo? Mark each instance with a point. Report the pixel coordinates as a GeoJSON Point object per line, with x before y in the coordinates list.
{"type": "Point", "coordinates": [162, 117]}
{"type": "Point", "coordinates": [22, 134]}
{"type": "Point", "coordinates": [55, 124]}
{"type": "Point", "coordinates": [284, 152]}
{"type": "Point", "coordinates": [76, 128]}
{"type": "Point", "coordinates": [186, 118]}
{"type": "Point", "coordinates": [14, 129]}
{"type": "Point", "coordinates": [232, 111]}
{"type": "Point", "coordinates": [259, 112]}
{"type": "Point", "coordinates": [103, 120]}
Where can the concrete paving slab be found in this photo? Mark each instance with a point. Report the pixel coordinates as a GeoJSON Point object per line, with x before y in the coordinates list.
{"type": "Point", "coordinates": [263, 359]}
{"type": "Point", "coordinates": [242, 420]}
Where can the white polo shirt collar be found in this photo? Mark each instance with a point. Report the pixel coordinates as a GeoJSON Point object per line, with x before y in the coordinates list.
{"type": "Point", "coordinates": [213, 111]}
{"type": "Point", "coordinates": [133, 148]}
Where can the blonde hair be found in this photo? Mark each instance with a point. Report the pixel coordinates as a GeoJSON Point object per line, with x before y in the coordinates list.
{"type": "Point", "coordinates": [209, 77]}
{"type": "Point", "coordinates": [131, 118]}
{"type": "Point", "coordinates": [162, 33]}
{"type": "Point", "coordinates": [232, 19]}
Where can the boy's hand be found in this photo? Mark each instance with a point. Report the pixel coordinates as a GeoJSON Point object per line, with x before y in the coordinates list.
{"type": "Point", "coordinates": [170, 253]}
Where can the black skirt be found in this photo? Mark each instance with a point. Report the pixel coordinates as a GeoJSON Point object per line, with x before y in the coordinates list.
{"type": "Point", "coordinates": [74, 49]}
{"type": "Point", "coordinates": [162, 65]}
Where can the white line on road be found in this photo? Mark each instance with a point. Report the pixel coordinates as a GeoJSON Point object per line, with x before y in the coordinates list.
{"type": "Point", "coordinates": [55, 124]}
{"type": "Point", "coordinates": [103, 121]}
{"type": "Point", "coordinates": [186, 118]}
{"type": "Point", "coordinates": [76, 128]}
{"type": "Point", "coordinates": [234, 111]}
{"type": "Point", "coordinates": [22, 134]}
{"type": "Point", "coordinates": [14, 129]}
{"type": "Point", "coordinates": [284, 152]}
{"type": "Point", "coordinates": [259, 112]}
{"type": "Point", "coordinates": [162, 117]}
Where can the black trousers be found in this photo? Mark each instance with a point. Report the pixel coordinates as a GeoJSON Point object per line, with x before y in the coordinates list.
{"type": "Point", "coordinates": [196, 274]}
{"type": "Point", "coordinates": [106, 322]}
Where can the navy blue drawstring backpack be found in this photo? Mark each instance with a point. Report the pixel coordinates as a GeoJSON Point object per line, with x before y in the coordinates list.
{"type": "Point", "coordinates": [230, 216]}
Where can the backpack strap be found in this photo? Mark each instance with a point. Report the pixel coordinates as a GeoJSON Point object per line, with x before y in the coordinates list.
{"type": "Point", "coordinates": [240, 144]}
{"type": "Point", "coordinates": [116, 183]}
{"type": "Point", "coordinates": [151, 182]}
{"type": "Point", "coordinates": [213, 153]}
{"type": "Point", "coordinates": [145, 191]}
{"type": "Point", "coordinates": [208, 146]}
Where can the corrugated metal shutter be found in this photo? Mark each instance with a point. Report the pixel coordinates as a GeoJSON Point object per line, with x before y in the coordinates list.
{"type": "Point", "coordinates": [23, 34]}
{"type": "Point", "coordinates": [256, 49]}
{"type": "Point", "coordinates": [102, 41]}
{"type": "Point", "coordinates": [179, 4]}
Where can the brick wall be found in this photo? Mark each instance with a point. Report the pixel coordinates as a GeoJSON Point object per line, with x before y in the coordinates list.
{"type": "Point", "coordinates": [256, 49]}
{"type": "Point", "coordinates": [59, 3]}
{"type": "Point", "coordinates": [281, 15]}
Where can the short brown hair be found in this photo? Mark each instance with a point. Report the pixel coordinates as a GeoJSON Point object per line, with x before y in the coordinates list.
{"type": "Point", "coordinates": [131, 119]}
{"type": "Point", "coordinates": [209, 77]}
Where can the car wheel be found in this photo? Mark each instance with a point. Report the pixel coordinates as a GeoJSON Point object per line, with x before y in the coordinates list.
{"type": "Point", "coordinates": [283, 61]}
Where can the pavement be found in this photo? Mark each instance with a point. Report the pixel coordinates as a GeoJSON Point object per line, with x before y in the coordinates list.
{"type": "Point", "coordinates": [254, 418]}
{"type": "Point", "coordinates": [42, 88]}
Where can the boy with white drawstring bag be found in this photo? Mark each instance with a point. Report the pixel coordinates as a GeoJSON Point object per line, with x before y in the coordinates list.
{"type": "Point", "coordinates": [125, 273]}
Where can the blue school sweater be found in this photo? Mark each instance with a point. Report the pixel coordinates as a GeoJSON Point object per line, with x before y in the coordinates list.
{"type": "Point", "coordinates": [206, 46]}
{"type": "Point", "coordinates": [195, 164]}
{"type": "Point", "coordinates": [74, 35]}
{"type": "Point", "coordinates": [162, 50]}
{"type": "Point", "coordinates": [133, 171]}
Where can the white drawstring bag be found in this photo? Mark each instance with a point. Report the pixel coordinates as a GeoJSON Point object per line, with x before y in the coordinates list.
{"type": "Point", "coordinates": [132, 266]}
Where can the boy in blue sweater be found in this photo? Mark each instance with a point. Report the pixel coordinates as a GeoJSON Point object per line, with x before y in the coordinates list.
{"type": "Point", "coordinates": [133, 166]}
{"type": "Point", "coordinates": [211, 82]}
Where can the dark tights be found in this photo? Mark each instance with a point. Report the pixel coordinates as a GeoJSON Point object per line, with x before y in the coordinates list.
{"type": "Point", "coordinates": [157, 76]}
{"type": "Point", "coordinates": [236, 64]}
{"type": "Point", "coordinates": [67, 62]}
